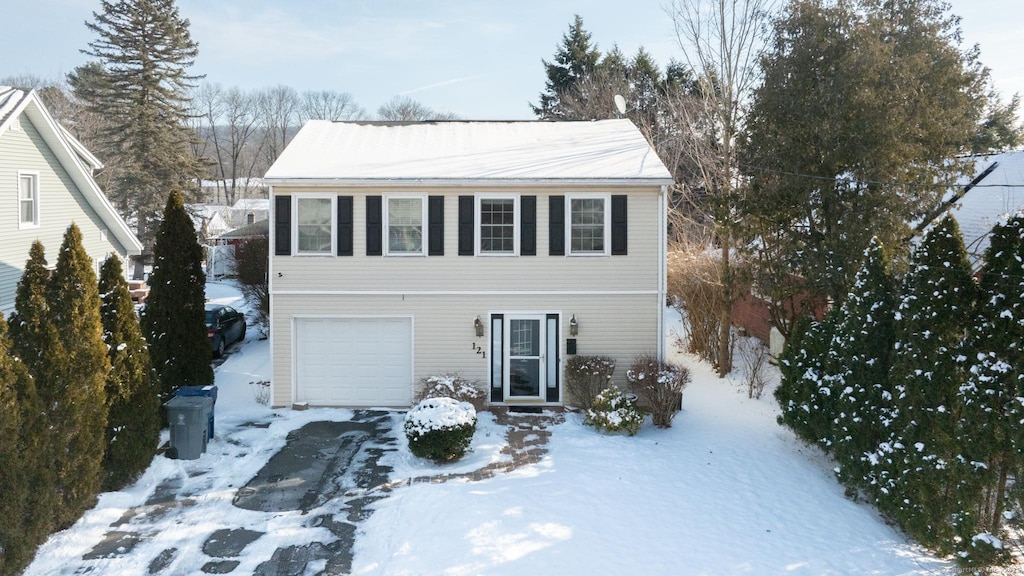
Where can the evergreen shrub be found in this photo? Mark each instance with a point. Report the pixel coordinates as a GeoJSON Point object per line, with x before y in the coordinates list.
{"type": "Point", "coordinates": [586, 377]}
{"type": "Point", "coordinates": [659, 385]}
{"type": "Point", "coordinates": [440, 429]}
{"type": "Point", "coordinates": [453, 385]}
{"type": "Point", "coordinates": [613, 411]}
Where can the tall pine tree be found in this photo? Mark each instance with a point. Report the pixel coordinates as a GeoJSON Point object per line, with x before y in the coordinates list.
{"type": "Point", "coordinates": [140, 89]}
{"type": "Point", "coordinates": [27, 323]}
{"type": "Point", "coordinates": [133, 422]}
{"type": "Point", "coordinates": [575, 60]}
{"type": "Point", "coordinates": [808, 406]}
{"type": "Point", "coordinates": [174, 319]}
{"type": "Point", "coordinates": [74, 379]}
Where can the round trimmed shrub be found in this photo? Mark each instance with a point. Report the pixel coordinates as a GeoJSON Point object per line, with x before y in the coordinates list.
{"type": "Point", "coordinates": [440, 429]}
{"type": "Point", "coordinates": [613, 411]}
{"type": "Point", "coordinates": [660, 387]}
{"type": "Point", "coordinates": [586, 376]}
{"type": "Point", "coordinates": [453, 386]}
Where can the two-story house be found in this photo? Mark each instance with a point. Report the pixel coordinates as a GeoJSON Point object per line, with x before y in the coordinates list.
{"type": "Point", "coordinates": [46, 184]}
{"type": "Point", "coordinates": [492, 249]}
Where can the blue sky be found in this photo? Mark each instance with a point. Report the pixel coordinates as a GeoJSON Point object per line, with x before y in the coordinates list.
{"type": "Point", "coordinates": [478, 58]}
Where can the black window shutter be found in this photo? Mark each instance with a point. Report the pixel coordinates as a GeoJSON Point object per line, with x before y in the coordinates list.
{"type": "Point", "coordinates": [466, 208]}
{"type": "Point", "coordinates": [556, 225]}
{"type": "Point", "coordinates": [344, 225]}
{"type": "Point", "coordinates": [435, 225]}
{"type": "Point", "coordinates": [528, 225]}
{"type": "Point", "coordinates": [619, 225]}
{"type": "Point", "coordinates": [374, 226]}
{"type": "Point", "coordinates": [282, 225]}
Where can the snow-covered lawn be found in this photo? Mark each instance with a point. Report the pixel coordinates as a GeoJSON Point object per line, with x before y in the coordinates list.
{"type": "Point", "coordinates": [724, 491]}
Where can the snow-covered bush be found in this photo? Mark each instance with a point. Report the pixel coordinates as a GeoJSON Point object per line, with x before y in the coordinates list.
{"type": "Point", "coordinates": [453, 386]}
{"type": "Point", "coordinates": [659, 386]}
{"type": "Point", "coordinates": [586, 376]}
{"type": "Point", "coordinates": [440, 429]}
{"type": "Point", "coordinates": [613, 411]}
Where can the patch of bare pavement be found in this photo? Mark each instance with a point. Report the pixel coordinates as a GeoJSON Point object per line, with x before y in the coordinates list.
{"type": "Point", "coordinates": [321, 463]}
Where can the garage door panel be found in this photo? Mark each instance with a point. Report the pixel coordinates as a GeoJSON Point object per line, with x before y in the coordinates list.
{"type": "Point", "coordinates": [354, 361]}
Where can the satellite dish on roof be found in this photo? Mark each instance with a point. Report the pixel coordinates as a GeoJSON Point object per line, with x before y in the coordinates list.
{"type": "Point", "coordinates": [620, 104]}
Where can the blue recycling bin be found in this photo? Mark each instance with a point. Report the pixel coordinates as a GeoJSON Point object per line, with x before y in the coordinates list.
{"type": "Point", "coordinates": [207, 391]}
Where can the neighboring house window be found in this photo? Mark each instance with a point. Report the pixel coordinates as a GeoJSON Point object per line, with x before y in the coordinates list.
{"type": "Point", "coordinates": [498, 230]}
{"type": "Point", "coordinates": [405, 217]}
{"type": "Point", "coordinates": [589, 218]}
{"type": "Point", "coordinates": [250, 218]}
{"type": "Point", "coordinates": [314, 225]}
{"type": "Point", "coordinates": [28, 199]}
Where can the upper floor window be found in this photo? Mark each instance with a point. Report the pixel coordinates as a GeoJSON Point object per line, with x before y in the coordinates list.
{"type": "Point", "coordinates": [250, 218]}
{"type": "Point", "coordinates": [497, 233]}
{"type": "Point", "coordinates": [405, 216]}
{"type": "Point", "coordinates": [589, 223]}
{"type": "Point", "coordinates": [28, 199]}
{"type": "Point", "coordinates": [314, 217]}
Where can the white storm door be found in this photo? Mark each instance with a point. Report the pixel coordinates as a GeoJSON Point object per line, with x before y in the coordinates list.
{"type": "Point", "coordinates": [525, 345]}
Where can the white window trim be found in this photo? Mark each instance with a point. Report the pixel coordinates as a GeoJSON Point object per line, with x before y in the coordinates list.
{"type": "Point", "coordinates": [517, 216]}
{"type": "Point", "coordinates": [425, 240]}
{"type": "Point", "coordinates": [35, 199]}
{"type": "Point", "coordinates": [295, 224]}
{"type": "Point", "coordinates": [607, 198]}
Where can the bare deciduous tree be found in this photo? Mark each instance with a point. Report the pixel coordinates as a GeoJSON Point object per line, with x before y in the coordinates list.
{"type": "Point", "coordinates": [405, 109]}
{"type": "Point", "coordinates": [721, 41]}
{"type": "Point", "coordinates": [330, 105]}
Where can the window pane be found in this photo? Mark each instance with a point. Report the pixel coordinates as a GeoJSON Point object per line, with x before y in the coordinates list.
{"type": "Point", "coordinates": [314, 225]}
{"type": "Point", "coordinates": [587, 218]}
{"type": "Point", "coordinates": [497, 225]}
{"type": "Point", "coordinates": [405, 225]}
{"type": "Point", "coordinates": [27, 200]}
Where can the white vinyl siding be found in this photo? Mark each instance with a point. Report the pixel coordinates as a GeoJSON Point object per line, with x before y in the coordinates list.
{"type": "Point", "coordinates": [444, 323]}
{"type": "Point", "coordinates": [405, 218]}
{"type": "Point", "coordinates": [314, 225]}
{"type": "Point", "coordinates": [636, 271]}
{"type": "Point", "coordinates": [28, 199]}
{"type": "Point", "coordinates": [588, 225]}
{"type": "Point", "coordinates": [497, 225]}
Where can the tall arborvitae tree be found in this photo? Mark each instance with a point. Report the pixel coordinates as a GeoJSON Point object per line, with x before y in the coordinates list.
{"type": "Point", "coordinates": [575, 59]}
{"type": "Point", "coordinates": [915, 471]}
{"type": "Point", "coordinates": [990, 424]}
{"type": "Point", "coordinates": [857, 371]}
{"type": "Point", "coordinates": [174, 319]}
{"type": "Point", "coordinates": [808, 406]}
{"type": "Point", "coordinates": [28, 320]}
{"type": "Point", "coordinates": [74, 380]}
{"type": "Point", "coordinates": [133, 422]}
{"type": "Point", "coordinates": [16, 543]}
{"type": "Point", "coordinates": [33, 339]}
{"type": "Point", "coordinates": [141, 87]}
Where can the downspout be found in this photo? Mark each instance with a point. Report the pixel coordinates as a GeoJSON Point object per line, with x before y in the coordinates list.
{"type": "Point", "coordinates": [662, 265]}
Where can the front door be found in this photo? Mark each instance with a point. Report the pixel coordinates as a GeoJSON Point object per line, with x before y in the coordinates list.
{"type": "Point", "coordinates": [525, 372]}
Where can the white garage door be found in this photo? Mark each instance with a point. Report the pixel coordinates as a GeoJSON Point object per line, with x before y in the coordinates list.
{"type": "Point", "coordinates": [354, 361]}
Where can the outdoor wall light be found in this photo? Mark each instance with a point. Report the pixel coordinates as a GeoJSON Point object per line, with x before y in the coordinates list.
{"type": "Point", "coordinates": [479, 326]}
{"type": "Point", "coordinates": [574, 326]}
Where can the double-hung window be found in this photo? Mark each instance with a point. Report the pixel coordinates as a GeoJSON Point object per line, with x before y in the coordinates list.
{"type": "Point", "coordinates": [28, 199]}
{"type": "Point", "coordinates": [589, 225]}
{"type": "Point", "coordinates": [314, 225]}
{"type": "Point", "coordinates": [405, 217]}
{"type": "Point", "coordinates": [497, 233]}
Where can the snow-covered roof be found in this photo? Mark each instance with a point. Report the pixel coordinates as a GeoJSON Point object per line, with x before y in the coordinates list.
{"type": "Point", "coordinates": [72, 155]}
{"type": "Point", "coordinates": [249, 204]}
{"type": "Point", "coordinates": [453, 151]}
{"type": "Point", "coordinates": [996, 194]}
